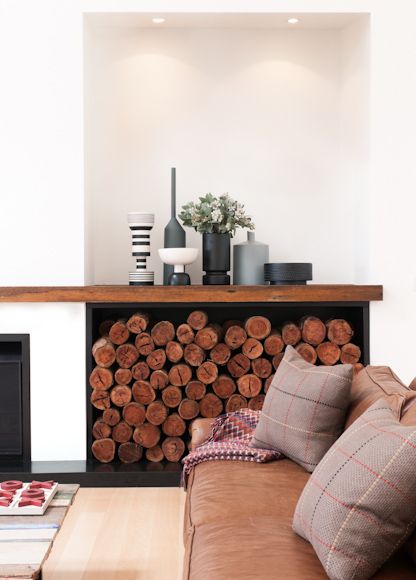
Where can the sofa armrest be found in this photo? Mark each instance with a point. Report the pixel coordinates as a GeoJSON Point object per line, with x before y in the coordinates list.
{"type": "Point", "coordinates": [200, 431]}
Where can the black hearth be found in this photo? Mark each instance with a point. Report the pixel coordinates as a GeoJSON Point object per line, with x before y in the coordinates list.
{"type": "Point", "coordinates": [14, 399]}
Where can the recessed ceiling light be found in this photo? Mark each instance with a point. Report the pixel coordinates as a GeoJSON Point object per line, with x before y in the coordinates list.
{"type": "Point", "coordinates": [158, 20]}
{"type": "Point", "coordinates": [293, 20]}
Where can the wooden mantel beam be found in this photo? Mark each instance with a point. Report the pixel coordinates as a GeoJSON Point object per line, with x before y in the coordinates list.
{"type": "Point", "coordinates": [193, 294]}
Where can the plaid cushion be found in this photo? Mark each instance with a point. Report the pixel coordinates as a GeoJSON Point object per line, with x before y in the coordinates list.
{"type": "Point", "coordinates": [304, 410]}
{"type": "Point", "coordinates": [359, 505]}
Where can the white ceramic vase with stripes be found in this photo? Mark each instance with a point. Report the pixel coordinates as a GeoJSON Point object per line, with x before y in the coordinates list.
{"type": "Point", "coordinates": [140, 225]}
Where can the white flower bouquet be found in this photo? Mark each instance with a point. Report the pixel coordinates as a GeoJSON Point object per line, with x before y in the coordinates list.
{"type": "Point", "coordinates": [215, 215]}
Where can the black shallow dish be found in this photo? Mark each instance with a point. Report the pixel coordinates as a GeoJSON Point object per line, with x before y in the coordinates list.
{"type": "Point", "coordinates": [293, 273]}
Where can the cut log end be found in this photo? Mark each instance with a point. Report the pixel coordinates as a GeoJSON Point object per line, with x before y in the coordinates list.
{"type": "Point", "coordinates": [120, 395]}
{"type": "Point", "coordinates": [195, 390]}
{"type": "Point", "coordinates": [238, 365]}
{"type": "Point", "coordinates": [291, 333]}
{"type": "Point", "coordinates": [235, 403]}
{"type": "Point", "coordinates": [156, 359]}
{"type": "Point", "coordinates": [207, 337]}
{"type": "Point", "coordinates": [258, 327]}
{"type": "Point", "coordinates": [130, 452]}
{"type": "Point", "coordinates": [143, 392]}
{"type": "Point", "coordinates": [188, 409]}
{"type": "Point", "coordinates": [163, 332]}
{"type": "Point", "coordinates": [350, 353]}
{"type": "Point", "coordinates": [174, 425]}
{"type": "Point", "coordinates": [197, 319]}
{"type": "Point", "coordinates": [126, 355]}
{"type": "Point", "coordinates": [220, 354]}
{"type": "Point", "coordinates": [123, 376]}
{"type": "Point", "coordinates": [101, 378]}
{"type": "Point", "coordinates": [119, 333]}
{"type": "Point", "coordinates": [328, 353]}
{"type": "Point", "coordinates": [140, 371]}
{"type": "Point", "coordinates": [207, 372]}
{"type": "Point", "coordinates": [159, 379]}
{"type": "Point", "coordinates": [339, 331]}
{"type": "Point", "coordinates": [147, 435]}
{"type": "Point", "coordinates": [194, 355]}
{"type": "Point", "coordinates": [210, 406]}
{"type": "Point", "coordinates": [224, 386]}
{"type": "Point", "coordinates": [174, 351]}
{"type": "Point", "coordinates": [180, 375]}
{"type": "Point", "coordinates": [101, 429]}
{"type": "Point", "coordinates": [249, 385]}
{"type": "Point", "coordinates": [103, 352]}
{"type": "Point", "coordinates": [100, 399]}
{"type": "Point", "coordinates": [156, 413]}
{"type": "Point", "coordinates": [274, 344]}
{"type": "Point", "coordinates": [307, 352]}
{"type": "Point", "coordinates": [185, 334]}
{"type": "Point", "coordinates": [172, 396]}
{"type": "Point", "coordinates": [103, 450]}
{"type": "Point", "coordinates": [262, 367]}
{"type": "Point", "coordinates": [155, 454]}
{"type": "Point", "coordinates": [122, 432]}
{"type": "Point", "coordinates": [138, 322]}
{"type": "Point", "coordinates": [313, 330]}
{"type": "Point", "coordinates": [134, 414]}
{"type": "Point", "coordinates": [256, 403]}
{"type": "Point", "coordinates": [173, 448]}
{"type": "Point", "coordinates": [252, 348]}
{"type": "Point", "coordinates": [111, 416]}
{"type": "Point", "coordinates": [235, 337]}
{"type": "Point", "coordinates": [144, 343]}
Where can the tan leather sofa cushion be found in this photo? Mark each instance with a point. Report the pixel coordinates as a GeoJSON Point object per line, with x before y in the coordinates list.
{"type": "Point", "coordinates": [374, 383]}
{"type": "Point", "coordinates": [238, 525]}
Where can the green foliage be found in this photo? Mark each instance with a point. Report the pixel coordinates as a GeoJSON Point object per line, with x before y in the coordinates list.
{"type": "Point", "coordinates": [219, 215]}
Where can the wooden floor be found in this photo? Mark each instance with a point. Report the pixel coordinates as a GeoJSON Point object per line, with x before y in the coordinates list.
{"type": "Point", "coordinates": [120, 534]}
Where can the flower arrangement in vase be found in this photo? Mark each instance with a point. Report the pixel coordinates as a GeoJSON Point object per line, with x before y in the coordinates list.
{"type": "Point", "coordinates": [217, 219]}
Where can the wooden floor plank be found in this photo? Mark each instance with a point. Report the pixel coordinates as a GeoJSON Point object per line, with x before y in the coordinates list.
{"type": "Point", "coordinates": [120, 533]}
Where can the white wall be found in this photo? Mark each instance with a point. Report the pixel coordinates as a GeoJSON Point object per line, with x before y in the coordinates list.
{"type": "Point", "coordinates": [391, 219]}
{"type": "Point", "coordinates": [42, 192]}
{"type": "Point", "coordinates": [57, 375]}
{"type": "Point", "coordinates": [41, 144]}
{"type": "Point", "coordinates": [253, 112]}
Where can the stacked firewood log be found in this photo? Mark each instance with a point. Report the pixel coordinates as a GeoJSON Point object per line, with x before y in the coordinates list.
{"type": "Point", "coordinates": [151, 380]}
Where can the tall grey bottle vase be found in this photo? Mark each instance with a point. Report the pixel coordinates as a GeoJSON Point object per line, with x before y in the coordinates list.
{"type": "Point", "coordinates": [175, 236]}
{"type": "Point", "coordinates": [248, 261]}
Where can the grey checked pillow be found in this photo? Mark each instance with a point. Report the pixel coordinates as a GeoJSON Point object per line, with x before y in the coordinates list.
{"type": "Point", "coordinates": [359, 504]}
{"type": "Point", "coordinates": [304, 409]}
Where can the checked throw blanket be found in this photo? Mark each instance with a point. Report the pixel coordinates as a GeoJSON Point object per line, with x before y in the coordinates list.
{"type": "Point", "coordinates": [229, 440]}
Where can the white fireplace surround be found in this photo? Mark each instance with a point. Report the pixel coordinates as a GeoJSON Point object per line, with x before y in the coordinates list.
{"type": "Point", "coordinates": [313, 127]}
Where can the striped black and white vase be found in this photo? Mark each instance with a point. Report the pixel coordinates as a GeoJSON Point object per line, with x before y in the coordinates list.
{"type": "Point", "coordinates": [141, 225]}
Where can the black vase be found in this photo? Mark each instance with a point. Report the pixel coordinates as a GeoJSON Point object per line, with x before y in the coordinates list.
{"type": "Point", "coordinates": [174, 232]}
{"type": "Point", "coordinates": [216, 258]}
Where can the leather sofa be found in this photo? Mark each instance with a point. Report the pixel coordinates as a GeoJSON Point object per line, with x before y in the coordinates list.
{"type": "Point", "coordinates": [238, 515]}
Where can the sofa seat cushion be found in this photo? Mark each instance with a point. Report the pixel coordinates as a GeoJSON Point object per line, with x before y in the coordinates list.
{"type": "Point", "coordinates": [238, 525]}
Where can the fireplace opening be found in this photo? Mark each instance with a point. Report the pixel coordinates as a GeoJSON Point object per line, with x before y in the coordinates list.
{"type": "Point", "coordinates": [357, 314]}
{"type": "Point", "coordinates": [14, 399]}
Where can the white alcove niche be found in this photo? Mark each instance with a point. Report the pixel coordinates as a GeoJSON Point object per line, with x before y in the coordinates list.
{"type": "Point", "coordinates": [274, 114]}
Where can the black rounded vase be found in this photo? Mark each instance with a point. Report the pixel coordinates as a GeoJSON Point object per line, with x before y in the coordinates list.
{"type": "Point", "coordinates": [216, 258]}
